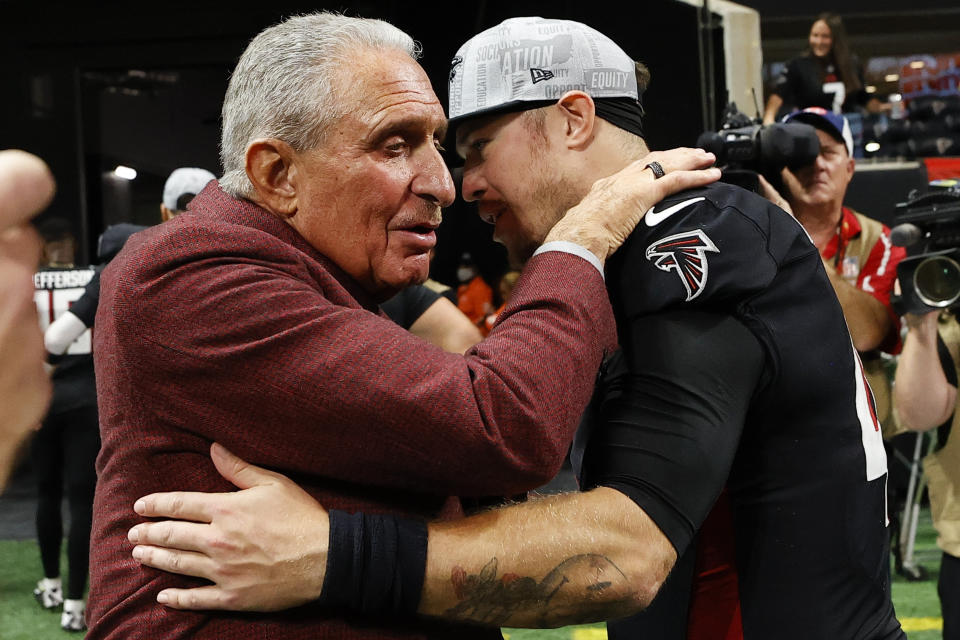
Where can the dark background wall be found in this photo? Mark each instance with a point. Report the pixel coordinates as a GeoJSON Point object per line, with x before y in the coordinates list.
{"type": "Point", "coordinates": [88, 86]}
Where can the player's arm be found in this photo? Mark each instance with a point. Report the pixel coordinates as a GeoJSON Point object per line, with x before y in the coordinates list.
{"type": "Point", "coordinates": [867, 318]}
{"type": "Point", "coordinates": [65, 330]}
{"type": "Point", "coordinates": [444, 325]}
{"type": "Point", "coordinates": [550, 562]}
{"type": "Point", "coordinates": [774, 102]}
{"type": "Point", "coordinates": [923, 396]}
{"type": "Point", "coordinates": [660, 459]}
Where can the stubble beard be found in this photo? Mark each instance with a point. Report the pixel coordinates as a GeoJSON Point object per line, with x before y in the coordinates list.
{"type": "Point", "coordinates": [552, 197]}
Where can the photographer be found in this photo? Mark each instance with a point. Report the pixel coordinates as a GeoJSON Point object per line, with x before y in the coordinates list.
{"type": "Point", "coordinates": [856, 250]}
{"type": "Point", "coordinates": [925, 395]}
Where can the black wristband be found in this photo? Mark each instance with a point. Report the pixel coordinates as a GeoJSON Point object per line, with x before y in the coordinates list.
{"type": "Point", "coordinates": [375, 563]}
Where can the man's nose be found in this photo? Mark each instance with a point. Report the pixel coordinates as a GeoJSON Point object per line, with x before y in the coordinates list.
{"type": "Point", "coordinates": [474, 184]}
{"type": "Point", "coordinates": [433, 182]}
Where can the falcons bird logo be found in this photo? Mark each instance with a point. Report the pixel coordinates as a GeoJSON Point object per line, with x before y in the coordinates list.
{"type": "Point", "coordinates": [686, 253]}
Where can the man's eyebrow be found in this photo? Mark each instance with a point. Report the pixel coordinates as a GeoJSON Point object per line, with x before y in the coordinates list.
{"type": "Point", "coordinates": [409, 123]}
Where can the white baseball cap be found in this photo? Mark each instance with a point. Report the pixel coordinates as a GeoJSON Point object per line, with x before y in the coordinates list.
{"type": "Point", "coordinates": [536, 60]}
{"type": "Point", "coordinates": [184, 180]}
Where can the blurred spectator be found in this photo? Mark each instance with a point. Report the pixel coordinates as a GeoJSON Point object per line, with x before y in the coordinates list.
{"type": "Point", "coordinates": [826, 75]}
{"type": "Point", "coordinates": [438, 287]}
{"type": "Point", "coordinates": [180, 188]}
{"type": "Point", "coordinates": [59, 243]}
{"type": "Point", "coordinates": [65, 448]}
{"type": "Point", "coordinates": [26, 187]}
{"type": "Point", "coordinates": [429, 315]}
{"type": "Point", "coordinates": [474, 295]}
{"type": "Point", "coordinates": [925, 396]}
{"type": "Point", "coordinates": [507, 282]}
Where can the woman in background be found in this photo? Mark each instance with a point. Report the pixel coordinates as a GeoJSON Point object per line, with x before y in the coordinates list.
{"type": "Point", "coordinates": [826, 75]}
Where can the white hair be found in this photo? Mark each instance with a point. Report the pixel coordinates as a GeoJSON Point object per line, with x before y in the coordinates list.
{"type": "Point", "coordinates": [285, 85]}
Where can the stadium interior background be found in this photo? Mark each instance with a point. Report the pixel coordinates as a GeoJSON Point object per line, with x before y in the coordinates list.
{"type": "Point", "coordinates": [93, 86]}
{"type": "Point", "coordinates": [89, 87]}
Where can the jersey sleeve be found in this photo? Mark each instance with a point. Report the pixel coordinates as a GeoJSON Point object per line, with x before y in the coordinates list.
{"type": "Point", "coordinates": [406, 307]}
{"type": "Point", "coordinates": [669, 420]}
{"type": "Point", "coordinates": [701, 252]}
{"type": "Point", "coordinates": [85, 307]}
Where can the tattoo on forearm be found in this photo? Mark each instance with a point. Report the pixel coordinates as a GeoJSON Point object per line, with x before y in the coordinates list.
{"type": "Point", "coordinates": [491, 599]}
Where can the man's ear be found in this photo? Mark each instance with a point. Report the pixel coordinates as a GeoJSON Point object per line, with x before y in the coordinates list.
{"type": "Point", "coordinates": [271, 171]}
{"type": "Point", "coordinates": [851, 168]}
{"type": "Point", "coordinates": [579, 117]}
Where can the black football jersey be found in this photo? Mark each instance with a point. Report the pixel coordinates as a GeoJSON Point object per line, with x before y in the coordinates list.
{"type": "Point", "coordinates": [738, 372]}
{"type": "Point", "coordinates": [56, 292]}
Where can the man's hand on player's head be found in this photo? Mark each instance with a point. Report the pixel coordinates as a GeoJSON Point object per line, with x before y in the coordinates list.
{"type": "Point", "coordinates": [264, 547]}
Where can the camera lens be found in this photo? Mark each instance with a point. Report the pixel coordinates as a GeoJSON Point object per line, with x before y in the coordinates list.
{"type": "Point", "coordinates": [937, 281]}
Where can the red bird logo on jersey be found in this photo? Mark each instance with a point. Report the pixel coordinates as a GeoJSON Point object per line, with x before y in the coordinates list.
{"type": "Point", "coordinates": [685, 253]}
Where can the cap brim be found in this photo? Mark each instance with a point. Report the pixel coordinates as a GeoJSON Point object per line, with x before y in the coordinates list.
{"type": "Point", "coordinates": [819, 122]}
{"type": "Point", "coordinates": [506, 107]}
{"type": "Point", "coordinates": [500, 109]}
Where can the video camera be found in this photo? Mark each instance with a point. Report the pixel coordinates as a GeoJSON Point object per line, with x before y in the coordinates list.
{"type": "Point", "coordinates": [928, 226]}
{"type": "Point", "coordinates": [745, 148]}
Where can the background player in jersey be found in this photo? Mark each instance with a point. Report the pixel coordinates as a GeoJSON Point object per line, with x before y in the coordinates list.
{"type": "Point", "coordinates": [65, 448]}
{"type": "Point", "coordinates": [717, 294]}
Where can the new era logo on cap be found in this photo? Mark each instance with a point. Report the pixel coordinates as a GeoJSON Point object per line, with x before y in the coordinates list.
{"type": "Point", "coordinates": [539, 75]}
{"type": "Point", "coordinates": [533, 60]}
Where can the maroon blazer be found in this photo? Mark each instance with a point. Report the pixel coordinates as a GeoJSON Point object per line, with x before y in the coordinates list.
{"type": "Point", "coordinates": [226, 325]}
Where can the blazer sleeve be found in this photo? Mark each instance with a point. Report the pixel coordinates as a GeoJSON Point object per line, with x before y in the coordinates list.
{"type": "Point", "coordinates": [247, 353]}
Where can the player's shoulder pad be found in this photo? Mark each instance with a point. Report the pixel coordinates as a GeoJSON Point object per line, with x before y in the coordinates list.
{"type": "Point", "coordinates": [711, 247]}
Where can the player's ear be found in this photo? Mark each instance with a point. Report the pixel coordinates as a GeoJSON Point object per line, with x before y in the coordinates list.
{"type": "Point", "coordinates": [579, 116]}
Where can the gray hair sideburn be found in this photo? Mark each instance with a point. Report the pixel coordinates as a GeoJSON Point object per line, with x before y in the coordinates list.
{"type": "Point", "coordinates": [285, 85]}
